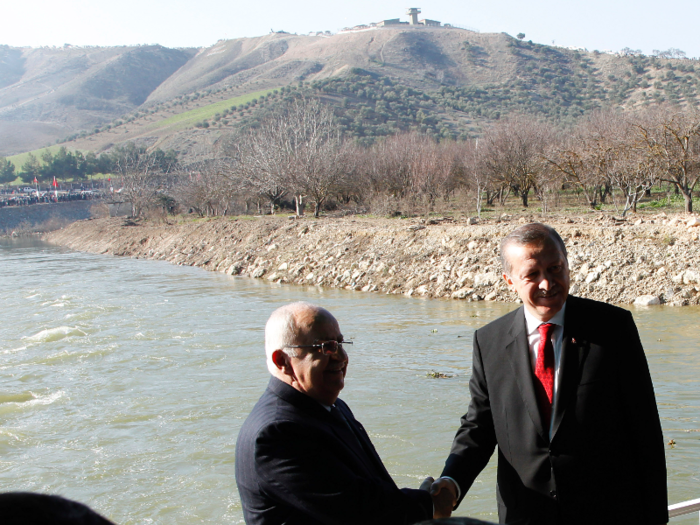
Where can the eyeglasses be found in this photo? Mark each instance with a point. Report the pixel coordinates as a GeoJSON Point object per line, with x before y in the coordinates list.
{"type": "Point", "coordinates": [325, 347]}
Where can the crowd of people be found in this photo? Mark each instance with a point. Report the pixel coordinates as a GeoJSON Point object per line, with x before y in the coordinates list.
{"type": "Point", "coordinates": [14, 198]}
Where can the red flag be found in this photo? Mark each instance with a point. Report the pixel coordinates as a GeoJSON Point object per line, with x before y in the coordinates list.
{"type": "Point", "coordinates": [35, 181]}
{"type": "Point", "coordinates": [55, 184]}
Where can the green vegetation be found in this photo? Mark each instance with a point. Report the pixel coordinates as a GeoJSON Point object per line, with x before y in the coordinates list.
{"type": "Point", "coordinates": [556, 84]}
{"type": "Point", "coordinates": [21, 158]}
{"type": "Point", "coordinates": [667, 201]}
{"type": "Point", "coordinates": [67, 165]}
{"type": "Point", "coordinates": [189, 118]}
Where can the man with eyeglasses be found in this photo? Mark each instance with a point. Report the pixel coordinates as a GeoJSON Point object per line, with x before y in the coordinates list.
{"type": "Point", "coordinates": [301, 456]}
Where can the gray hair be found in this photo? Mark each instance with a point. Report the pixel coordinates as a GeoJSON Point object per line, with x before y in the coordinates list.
{"type": "Point", "coordinates": [533, 233]}
{"type": "Point", "coordinates": [281, 329]}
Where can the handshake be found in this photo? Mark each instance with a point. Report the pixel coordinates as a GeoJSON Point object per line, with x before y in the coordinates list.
{"type": "Point", "coordinates": [444, 492]}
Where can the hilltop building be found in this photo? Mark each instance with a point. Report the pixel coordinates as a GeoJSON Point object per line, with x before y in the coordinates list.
{"type": "Point", "coordinates": [412, 12]}
{"type": "Point", "coordinates": [390, 22]}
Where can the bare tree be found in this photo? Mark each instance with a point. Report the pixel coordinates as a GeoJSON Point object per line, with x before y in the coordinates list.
{"type": "Point", "coordinates": [471, 165]}
{"type": "Point", "coordinates": [315, 148]}
{"type": "Point", "coordinates": [210, 184]}
{"type": "Point", "coordinates": [390, 167]}
{"type": "Point", "coordinates": [634, 175]}
{"type": "Point", "coordinates": [296, 150]}
{"type": "Point", "coordinates": [144, 176]}
{"type": "Point", "coordinates": [265, 160]}
{"type": "Point", "coordinates": [592, 155]}
{"type": "Point", "coordinates": [572, 157]}
{"type": "Point", "coordinates": [514, 152]}
{"type": "Point", "coordinates": [672, 140]}
{"type": "Point", "coordinates": [433, 169]}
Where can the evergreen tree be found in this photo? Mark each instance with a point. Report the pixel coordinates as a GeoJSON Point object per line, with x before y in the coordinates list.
{"type": "Point", "coordinates": [30, 169]}
{"type": "Point", "coordinates": [7, 171]}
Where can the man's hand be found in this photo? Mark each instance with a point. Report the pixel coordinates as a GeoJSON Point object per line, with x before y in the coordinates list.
{"type": "Point", "coordinates": [427, 483]}
{"type": "Point", "coordinates": [444, 494]}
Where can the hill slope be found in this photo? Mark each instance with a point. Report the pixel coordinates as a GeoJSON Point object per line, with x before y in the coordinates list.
{"type": "Point", "coordinates": [48, 93]}
{"type": "Point", "coordinates": [444, 81]}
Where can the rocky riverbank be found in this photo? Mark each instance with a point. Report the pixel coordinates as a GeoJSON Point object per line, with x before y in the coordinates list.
{"type": "Point", "coordinates": [654, 260]}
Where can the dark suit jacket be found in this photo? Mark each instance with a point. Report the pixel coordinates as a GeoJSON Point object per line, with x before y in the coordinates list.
{"type": "Point", "coordinates": [297, 464]}
{"type": "Point", "coordinates": [605, 462]}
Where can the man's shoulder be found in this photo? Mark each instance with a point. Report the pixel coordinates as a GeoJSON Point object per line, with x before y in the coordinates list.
{"type": "Point", "coordinates": [281, 406]}
{"type": "Point", "coordinates": [577, 307]}
{"type": "Point", "coordinates": [502, 324]}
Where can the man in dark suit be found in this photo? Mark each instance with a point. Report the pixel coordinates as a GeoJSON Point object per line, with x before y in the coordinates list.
{"type": "Point", "coordinates": [29, 508]}
{"type": "Point", "coordinates": [301, 456]}
{"type": "Point", "coordinates": [562, 387]}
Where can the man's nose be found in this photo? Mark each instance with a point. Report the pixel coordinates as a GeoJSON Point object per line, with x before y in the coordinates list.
{"type": "Point", "coordinates": [545, 282]}
{"type": "Point", "coordinates": [340, 354]}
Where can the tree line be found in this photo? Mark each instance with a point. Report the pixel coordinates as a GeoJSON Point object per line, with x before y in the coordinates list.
{"type": "Point", "coordinates": [67, 165]}
{"type": "Point", "coordinates": [297, 157]}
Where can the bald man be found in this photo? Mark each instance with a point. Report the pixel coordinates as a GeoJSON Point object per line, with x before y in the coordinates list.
{"type": "Point", "coordinates": [301, 456]}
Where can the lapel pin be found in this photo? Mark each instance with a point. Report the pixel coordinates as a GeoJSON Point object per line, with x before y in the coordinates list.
{"type": "Point", "coordinates": [573, 340]}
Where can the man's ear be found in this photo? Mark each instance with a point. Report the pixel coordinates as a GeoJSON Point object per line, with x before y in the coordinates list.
{"type": "Point", "coordinates": [281, 361]}
{"type": "Point", "coordinates": [508, 281]}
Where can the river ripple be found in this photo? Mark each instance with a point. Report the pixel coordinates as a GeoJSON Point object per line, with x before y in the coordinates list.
{"type": "Point", "coordinates": [124, 383]}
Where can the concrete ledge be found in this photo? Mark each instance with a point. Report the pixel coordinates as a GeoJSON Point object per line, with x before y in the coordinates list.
{"type": "Point", "coordinates": [46, 217]}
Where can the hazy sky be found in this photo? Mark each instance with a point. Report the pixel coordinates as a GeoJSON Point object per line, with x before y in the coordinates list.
{"type": "Point", "coordinates": [592, 24]}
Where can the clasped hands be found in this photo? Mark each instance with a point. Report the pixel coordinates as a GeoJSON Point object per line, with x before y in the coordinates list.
{"type": "Point", "coordinates": [444, 494]}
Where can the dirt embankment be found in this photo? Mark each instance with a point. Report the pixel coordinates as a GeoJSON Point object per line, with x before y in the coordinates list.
{"type": "Point", "coordinates": [654, 260]}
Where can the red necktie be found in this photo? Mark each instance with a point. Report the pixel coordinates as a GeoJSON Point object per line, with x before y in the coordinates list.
{"type": "Point", "coordinates": [544, 372]}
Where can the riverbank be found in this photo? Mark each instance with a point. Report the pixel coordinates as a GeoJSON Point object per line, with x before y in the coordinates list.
{"type": "Point", "coordinates": [654, 260]}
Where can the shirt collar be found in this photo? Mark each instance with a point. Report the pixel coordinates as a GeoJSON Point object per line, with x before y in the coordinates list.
{"type": "Point", "coordinates": [532, 322]}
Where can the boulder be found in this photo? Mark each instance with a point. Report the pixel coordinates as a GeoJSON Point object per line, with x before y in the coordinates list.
{"type": "Point", "coordinates": [485, 279]}
{"type": "Point", "coordinates": [691, 276]}
{"type": "Point", "coordinates": [647, 300]}
{"type": "Point", "coordinates": [592, 276]}
{"type": "Point", "coordinates": [422, 290]}
{"type": "Point", "coordinates": [258, 272]}
{"type": "Point", "coordinates": [462, 293]}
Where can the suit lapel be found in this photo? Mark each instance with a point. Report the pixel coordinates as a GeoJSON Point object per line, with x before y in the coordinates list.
{"type": "Point", "coordinates": [358, 441]}
{"type": "Point", "coordinates": [573, 354]}
{"type": "Point", "coordinates": [518, 352]}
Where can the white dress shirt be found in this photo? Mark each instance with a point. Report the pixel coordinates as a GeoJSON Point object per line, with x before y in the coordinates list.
{"type": "Point", "coordinates": [533, 338]}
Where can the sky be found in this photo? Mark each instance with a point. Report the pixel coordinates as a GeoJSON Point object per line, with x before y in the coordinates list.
{"type": "Point", "coordinates": [605, 25]}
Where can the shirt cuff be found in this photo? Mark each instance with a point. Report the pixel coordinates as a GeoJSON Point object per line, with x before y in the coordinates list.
{"type": "Point", "coordinates": [459, 491]}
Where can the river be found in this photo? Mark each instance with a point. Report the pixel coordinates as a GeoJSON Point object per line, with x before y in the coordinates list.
{"type": "Point", "coordinates": [123, 383]}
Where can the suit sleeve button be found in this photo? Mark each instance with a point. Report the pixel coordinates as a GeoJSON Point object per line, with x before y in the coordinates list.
{"type": "Point", "coordinates": [553, 493]}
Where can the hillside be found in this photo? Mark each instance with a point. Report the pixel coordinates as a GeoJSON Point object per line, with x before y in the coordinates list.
{"type": "Point", "coordinates": [443, 81]}
{"type": "Point", "coordinates": [48, 93]}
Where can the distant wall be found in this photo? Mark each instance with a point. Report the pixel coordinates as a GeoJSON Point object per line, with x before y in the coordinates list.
{"type": "Point", "coordinates": [47, 217]}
